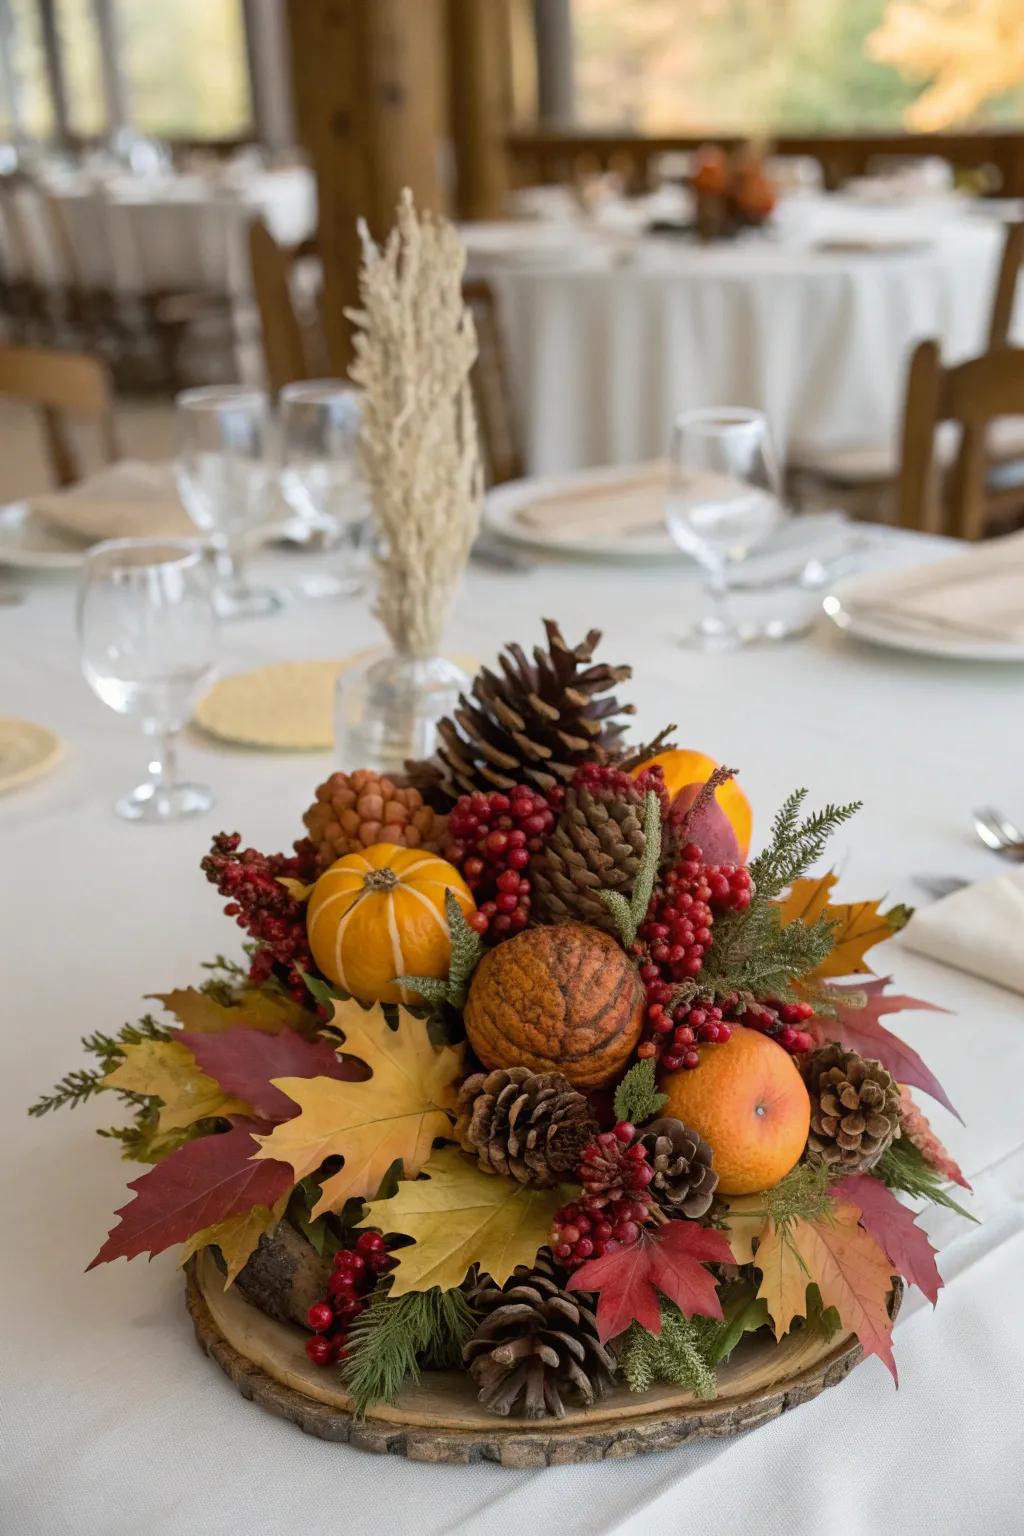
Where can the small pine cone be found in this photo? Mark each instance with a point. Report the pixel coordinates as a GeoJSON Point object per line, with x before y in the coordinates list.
{"type": "Point", "coordinates": [597, 845]}
{"type": "Point", "coordinates": [528, 1126]}
{"type": "Point", "coordinates": [611, 1170]}
{"type": "Point", "coordinates": [535, 1344]}
{"type": "Point", "coordinates": [684, 1181]}
{"type": "Point", "coordinates": [855, 1109]}
{"type": "Point", "coordinates": [353, 810]}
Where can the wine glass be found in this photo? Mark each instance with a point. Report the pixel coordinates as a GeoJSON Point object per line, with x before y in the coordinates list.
{"type": "Point", "coordinates": [724, 499]}
{"type": "Point", "coordinates": [147, 634]}
{"type": "Point", "coordinates": [224, 479]}
{"type": "Point", "coordinates": [320, 478]}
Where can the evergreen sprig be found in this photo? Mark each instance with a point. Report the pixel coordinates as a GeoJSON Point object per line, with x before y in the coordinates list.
{"type": "Point", "coordinates": [629, 915]}
{"type": "Point", "coordinates": [795, 845]}
{"type": "Point", "coordinates": [904, 1167]}
{"type": "Point", "coordinates": [683, 1353]}
{"type": "Point", "coordinates": [754, 953]}
{"type": "Point", "coordinates": [393, 1338]}
{"type": "Point", "coordinates": [467, 949]}
{"type": "Point", "coordinates": [637, 1098]}
{"type": "Point", "coordinates": [77, 1086]}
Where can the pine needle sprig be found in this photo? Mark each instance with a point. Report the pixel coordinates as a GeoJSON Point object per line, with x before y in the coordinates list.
{"type": "Point", "coordinates": [796, 845]}
{"type": "Point", "coordinates": [392, 1339]}
{"type": "Point", "coordinates": [467, 951]}
{"type": "Point", "coordinates": [681, 1353]}
{"type": "Point", "coordinates": [755, 954]}
{"type": "Point", "coordinates": [629, 915]}
{"type": "Point", "coordinates": [904, 1168]}
{"type": "Point", "coordinates": [76, 1087]}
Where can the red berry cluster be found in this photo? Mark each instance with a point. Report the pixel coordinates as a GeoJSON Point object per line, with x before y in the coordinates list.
{"type": "Point", "coordinates": [354, 1273]}
{"type": "Point", "coordinates": [614, 1173]}
{"type": "Point", "coordinates": [491, 841]}
{"type": "Point", "coordinates": [781, 1021]}
{"type": "Point", "coordinates": [263, 907]}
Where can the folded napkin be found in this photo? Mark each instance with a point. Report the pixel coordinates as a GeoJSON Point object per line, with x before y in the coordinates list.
{"type": "Point", "coordinates": [633, 503]}
{"type": "Point", "coordinates": [979, 594]}
{"type": "Point", "coordinates": [978, 929]}
{"type": "Point", "coordinates": [130, 500]}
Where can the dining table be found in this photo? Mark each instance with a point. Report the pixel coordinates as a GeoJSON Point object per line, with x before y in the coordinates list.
{"type": "Point", "coordinates": [111, 1419]}
{"type": "Point", "coordinates": [614, 322]}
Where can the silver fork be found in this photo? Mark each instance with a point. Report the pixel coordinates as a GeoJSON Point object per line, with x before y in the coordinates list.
{"type": "Point", "coordinates": [999, 834]}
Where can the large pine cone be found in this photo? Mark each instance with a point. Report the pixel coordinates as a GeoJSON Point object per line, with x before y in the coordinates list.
{"type": "Point", "coordinates": [353, 810]}
{"type": "Point", "coordinates": [855, 1109]}
{"type": "Point", "coordinates": [536, 1345]}
{"type": "Point", "coordinates": [533, 724]}
{"type": "Point", "coordinates": [597, 845]}
{"type": "Point", "coordinates": [684, 1181]}
{"type": "Point", "coordinates": [528, 1126]}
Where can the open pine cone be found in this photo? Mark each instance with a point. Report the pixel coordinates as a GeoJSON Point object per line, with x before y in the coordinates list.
{"type": "Point", "coordinates": [684, 1181]}
{"type": "Point", "coordinates": [597, 845]}
{"type": "Point", "coordinates": [528, 1126]}
{"type": "Point", "coordinates": [532, 724]}
{"type": "Point", "coordinates": [855, 1109]}
{"type": "Point", "coordinates": [535, 1345]}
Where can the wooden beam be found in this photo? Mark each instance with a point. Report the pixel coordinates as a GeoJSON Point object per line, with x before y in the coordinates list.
{"type": "Point", "coordinates": [368, 109]}
{"type": "Point", "coordinates": [480, 81]}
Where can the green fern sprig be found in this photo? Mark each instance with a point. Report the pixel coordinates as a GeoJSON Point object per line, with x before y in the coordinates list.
{"type": "Point", "coordinates": [682, 1353]}
{"type": "Point", "coordinates": [76, 1087]}
{"type": "Point", "coordinates": [392, 1339]}
{"type": "Point", "coordinates": [796, 845]}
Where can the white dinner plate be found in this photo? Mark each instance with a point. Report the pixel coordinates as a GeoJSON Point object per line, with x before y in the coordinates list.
{"type": "Point", "coordinates": [899, 634]}
{"type": "Point", "coordinates": [31, 543]}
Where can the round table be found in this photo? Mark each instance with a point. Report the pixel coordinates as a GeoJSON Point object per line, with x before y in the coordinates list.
{"type": "Point", "coordinates": [152, 1437]}
{"type": "Point", "coordinates": [610, 332]}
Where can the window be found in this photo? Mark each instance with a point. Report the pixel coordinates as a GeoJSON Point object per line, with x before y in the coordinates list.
{"type": "Point", "coordinates": [185, 67]}
{"type": "Point", "coordinates": [83, 71]}
{"type": "Point", "coordinates": [27, 72]}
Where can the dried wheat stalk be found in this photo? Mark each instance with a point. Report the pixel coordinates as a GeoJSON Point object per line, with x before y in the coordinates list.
{"type": "Point", "coordinates": [415, 345]}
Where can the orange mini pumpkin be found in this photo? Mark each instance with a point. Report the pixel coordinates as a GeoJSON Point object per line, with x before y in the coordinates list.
{"type": "Point", "coordinates": [378, 914]}
{"type": "Point", "coordinates": [560, 999]}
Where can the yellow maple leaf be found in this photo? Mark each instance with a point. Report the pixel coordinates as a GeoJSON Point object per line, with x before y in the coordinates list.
{"type": "Point", "coordinates": [856, 926]}
{"type": "Point", "coordinates": [236, 1237]}
{"type": "Point", "coordinates": [168, 1071]}
{"type": "Point", "coordinates": [460, 1216]}
{"type": "Point", "coordinates": [255, 1009]}
{"type": "Point", "coordinates": [745, 1219]}
{"type": "Point", "coordinates": [398, 1112]}
{"type": "Point", "coordinates": [784, 1278]}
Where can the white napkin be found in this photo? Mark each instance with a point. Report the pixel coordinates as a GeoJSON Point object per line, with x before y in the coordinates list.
{"type": "Point", "coordinates": [131, 499]}
{"type": "Point", "coordinates": [979, 594]}
{"type": "Point", "coordinates": [633, 503]}
{"type": "Point", "coordinates": [979, 929]}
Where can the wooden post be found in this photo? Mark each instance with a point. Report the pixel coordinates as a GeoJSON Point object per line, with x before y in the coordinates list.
{"type": "Point", "coordinates": [367, 98]}
{"type": "Point", "coordinates": [479, 81]}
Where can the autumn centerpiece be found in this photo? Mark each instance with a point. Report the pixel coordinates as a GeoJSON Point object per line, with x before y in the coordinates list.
{"type": "Point", "coordinates": [550, 1085]}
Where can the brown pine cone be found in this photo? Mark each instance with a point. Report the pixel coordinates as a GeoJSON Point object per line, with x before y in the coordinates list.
{"type": "Point", "coordinates": [855, 1109]}
{"type": "Point", "coordinates": [597, 845]}
{"type": "Point", "coordinates": [353, 810]}
{"type": "Point", "coordinates": [535, 1345]}
{"type": "Point", "coordinates": [684, 1181]}
{"type": "Point", "coordinates": [529, 722]}
{"type": "Point", "coordinates": [528, 1126]}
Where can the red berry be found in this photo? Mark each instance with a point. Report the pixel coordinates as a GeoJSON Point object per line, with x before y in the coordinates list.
{"type": "Point", "coordinates": [625, 1131]}
{"type": "Point", "coordinates": [320, 1316]}
{"type": "Point", "coordinates": [320, 1350]}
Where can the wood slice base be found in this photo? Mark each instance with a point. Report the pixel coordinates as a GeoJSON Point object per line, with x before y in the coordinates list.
{"type": "Point", "coordinates": [439, 1419]}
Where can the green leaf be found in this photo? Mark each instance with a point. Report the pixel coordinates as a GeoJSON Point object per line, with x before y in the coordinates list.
{"type": "Point", "coordinates": [824, 1320]}
{"type": "Point", "coordinates": [321, 991]}
{"type": "Point", "coordinates": [390, 1341]}
{"type": "Point", "coordinates": [743, 1312]}
{"type": "Point", "coordinates": [629, 915]}
{"type": "Point", "coordinates": [637, 1098]}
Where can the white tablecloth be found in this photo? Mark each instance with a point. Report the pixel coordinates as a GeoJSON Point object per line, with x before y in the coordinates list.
{"type": "Point", "coordinates": [111, 1422]}
{"type": "Point", "coordinates": [611, 334]}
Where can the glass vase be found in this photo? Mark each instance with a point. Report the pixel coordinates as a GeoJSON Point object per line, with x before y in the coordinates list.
{"type": "Point", "coordinates": [386, 709]}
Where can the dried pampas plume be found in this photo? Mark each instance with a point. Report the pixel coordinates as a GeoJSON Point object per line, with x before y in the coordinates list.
{"type": "Point", "coordinates": [415, 345]}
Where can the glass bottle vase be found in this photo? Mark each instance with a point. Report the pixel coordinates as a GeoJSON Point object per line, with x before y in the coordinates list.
{"type": "Point", "coordinates": [387, 708]}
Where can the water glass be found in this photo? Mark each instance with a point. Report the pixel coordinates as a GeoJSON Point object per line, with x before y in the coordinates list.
{"type": "Point", "coordinates": [724, 499]}
{"type": "Point", "coordinates": [320, 478]}
{"type": "Point", "coordinates": [225, 480]}
{"type": "Point", "coordinates": [147, 634]}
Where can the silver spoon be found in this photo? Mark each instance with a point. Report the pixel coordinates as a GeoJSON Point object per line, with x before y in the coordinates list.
{"type": "Point", "coordinates": [999, 834]}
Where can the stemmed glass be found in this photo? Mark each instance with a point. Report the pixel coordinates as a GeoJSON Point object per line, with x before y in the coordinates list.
{"type": "Point", "coordinates": [319, 472]}
{"type": "Point", "coordinates": [724, 499]}
{"type": "Point", "coordinates": [147, 633]}
{"type": "Point", "coordinates": [225, 479]}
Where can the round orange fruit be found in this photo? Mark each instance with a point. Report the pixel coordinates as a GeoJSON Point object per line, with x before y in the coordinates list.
{"type": "Point", "coordinates": [379, 914]}
{"type": "Point", "coordinates": [748, 1100]}
{"type": "Point", "coordinates": [687, 771]}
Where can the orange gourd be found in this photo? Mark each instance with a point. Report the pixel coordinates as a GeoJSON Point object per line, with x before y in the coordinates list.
{"type": "Point", "coordinates": [380, 913]}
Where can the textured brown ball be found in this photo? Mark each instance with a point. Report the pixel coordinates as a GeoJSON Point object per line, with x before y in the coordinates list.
{"type": "Point", "coordinates": [355, 810]}
{"type": "Point", "coordinates": [562, 999]}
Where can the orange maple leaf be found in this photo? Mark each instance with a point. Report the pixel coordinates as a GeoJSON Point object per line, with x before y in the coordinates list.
{"type": "Point", "coordinates": [856, 926]}
{"type": "Point", "coordinates": [853, 1275]}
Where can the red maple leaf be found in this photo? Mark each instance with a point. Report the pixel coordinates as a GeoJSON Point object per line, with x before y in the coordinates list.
{"type": "Point", "coordinates": [201, 1183]}
{"type": "Point", "coordinates": [671, 1261]}
{"type": "Point", "coordinates": [244, 1060]}
{"type": "Point", "coordinates": [858, 1029]}
{"type": "Point", "coordinates": [894, 1228]}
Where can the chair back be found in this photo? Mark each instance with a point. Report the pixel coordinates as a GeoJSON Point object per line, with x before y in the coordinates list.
{"type": "Point", "coordinates": [284, 348]}
{"type": "Point", "coordinates": [1006, 287]}
{"type": "Point", "coordinates": [971, 395]}
{"type": "Point", "coordinates": [492, 392]}
{"type": "Point", "coordinates": [60, 385]}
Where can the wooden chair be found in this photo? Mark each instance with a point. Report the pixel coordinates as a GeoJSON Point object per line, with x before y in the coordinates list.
{"type": "Point", "coordinates": [286, 350]}
{"type": "Point", "coordinates": [972, 395]}
{"type": "Point", "coordinates": [492, 391]}
{"type": "Point", "coordinates": [60, 383]}
{"type": "Point", "coordinates": [1006, 287]}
